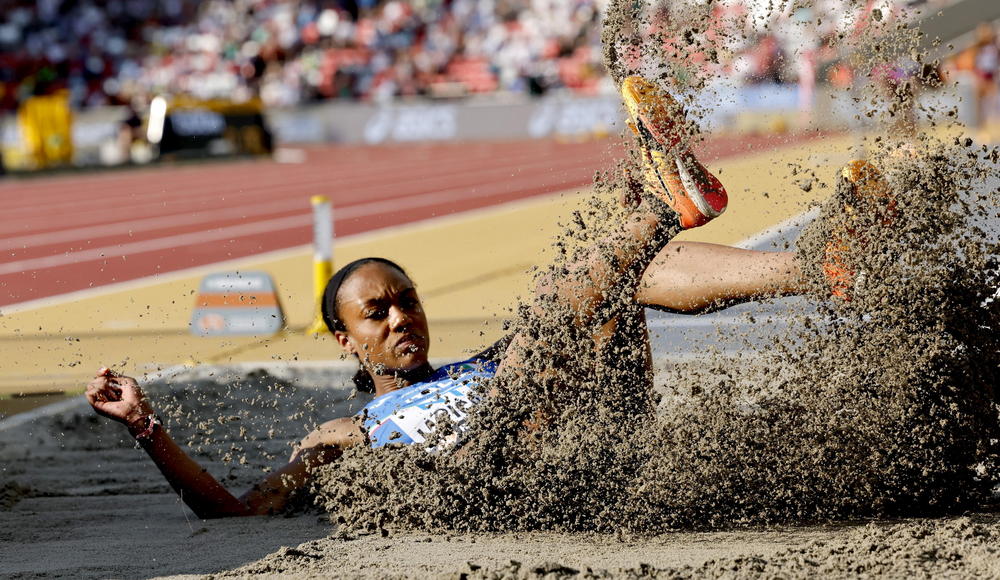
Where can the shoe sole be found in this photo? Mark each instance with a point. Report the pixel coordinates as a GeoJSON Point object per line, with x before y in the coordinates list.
{"type": "Point", "coordinates": [689, 170]}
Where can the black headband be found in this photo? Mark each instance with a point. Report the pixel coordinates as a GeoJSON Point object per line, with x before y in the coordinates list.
{"type": "Point", "coordinates": [329, 304]}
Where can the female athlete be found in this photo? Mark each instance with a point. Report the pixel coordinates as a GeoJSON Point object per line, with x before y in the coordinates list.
{"type": "Point", "coordinates": [373, 310]}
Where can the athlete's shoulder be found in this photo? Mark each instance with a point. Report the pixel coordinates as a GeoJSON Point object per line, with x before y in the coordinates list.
{"type": "Point", "coordinates": [339, 425]}
{"type": "Point", "coordinates": [341, 433]}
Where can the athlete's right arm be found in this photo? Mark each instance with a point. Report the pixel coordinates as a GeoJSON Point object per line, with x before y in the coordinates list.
{"type": "Point", "coordinates": [120, 399]}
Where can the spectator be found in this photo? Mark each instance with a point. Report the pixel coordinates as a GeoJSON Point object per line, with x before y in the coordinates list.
{"type": "Point", "coordinates": [986, 65]}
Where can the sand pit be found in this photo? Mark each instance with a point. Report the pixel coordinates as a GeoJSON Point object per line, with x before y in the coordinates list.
{"type": "Point", "coordinates": [79, 500]}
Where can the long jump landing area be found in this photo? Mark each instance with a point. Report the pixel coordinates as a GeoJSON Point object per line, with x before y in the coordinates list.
{"type": "Point", "coordinates": [101, 269]}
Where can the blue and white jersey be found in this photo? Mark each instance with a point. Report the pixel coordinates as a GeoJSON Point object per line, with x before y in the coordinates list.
{"type": "Point", "coordinates": [408, 415]}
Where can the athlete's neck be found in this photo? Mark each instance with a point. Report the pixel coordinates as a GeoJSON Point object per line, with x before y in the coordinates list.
{"type": "Point", "coordinates": [389, 381]}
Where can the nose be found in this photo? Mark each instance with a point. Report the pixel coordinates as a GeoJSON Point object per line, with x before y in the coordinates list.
{"type": "Point", "coordinates": [398, 318]}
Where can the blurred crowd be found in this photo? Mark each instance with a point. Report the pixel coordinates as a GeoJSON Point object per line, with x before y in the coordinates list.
{"type": "Point", "coordinates": [289, 52]}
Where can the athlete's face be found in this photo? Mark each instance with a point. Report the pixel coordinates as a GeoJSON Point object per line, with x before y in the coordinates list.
{"type": "Point", "coordinates": [386, 325]}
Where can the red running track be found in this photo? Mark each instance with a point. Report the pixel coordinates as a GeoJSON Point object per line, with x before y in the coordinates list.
{"type": "Point", "coordinates": [72, 232]}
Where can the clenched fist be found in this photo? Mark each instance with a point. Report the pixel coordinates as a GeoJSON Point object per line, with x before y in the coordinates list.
{"type": "Point", "coordinates": [118, 398]}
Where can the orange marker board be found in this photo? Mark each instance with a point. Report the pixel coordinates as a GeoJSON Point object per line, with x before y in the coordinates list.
{"type": "Point", "coordinates": [237, 303]}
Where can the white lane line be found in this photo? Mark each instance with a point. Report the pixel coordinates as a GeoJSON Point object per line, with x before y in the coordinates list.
{"type": "Point", "coordinates": [145, 224]}
{"type": "Point", "coordinates": [245, 263]}
{"type": "Point", "coordinates": [122, 250]}
{"type": "Point", "coordinates": [316, 179]}
{"type": "Point", "coordinates": [266, 226]}
{"type": "Point", "coordinates": [767, 239]}
{"type": "Point", "coordinates": [251, 207]}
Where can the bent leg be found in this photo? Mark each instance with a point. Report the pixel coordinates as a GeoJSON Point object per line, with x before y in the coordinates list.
{"type": "Point", "coordinates": [607, 275]}
{"type": "Point", "coordinates": [589, 303]}
{"type": "Point", "coordinates": [692, 277]}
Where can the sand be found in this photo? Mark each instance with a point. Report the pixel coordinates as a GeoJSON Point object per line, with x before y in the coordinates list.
{"type": "Point", "coordinates": [90, 505]}
{"type": "Point", "coordinates": [960, 547]}
{"type": "Point", "coordinates": [78, 499]}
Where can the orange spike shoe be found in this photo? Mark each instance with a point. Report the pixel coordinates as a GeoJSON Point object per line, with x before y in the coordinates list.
{"type": "Point", "coordinates": [671, 172]}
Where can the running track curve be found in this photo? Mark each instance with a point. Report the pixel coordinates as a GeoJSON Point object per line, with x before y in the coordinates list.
{"type": "Point", "coordinates": [66, 233]}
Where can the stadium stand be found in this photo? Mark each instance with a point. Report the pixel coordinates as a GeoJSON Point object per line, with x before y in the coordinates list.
{"type": "Point", "coordinates": [289, 53]}
{"type": "Point", "coordinates": [293, 52]}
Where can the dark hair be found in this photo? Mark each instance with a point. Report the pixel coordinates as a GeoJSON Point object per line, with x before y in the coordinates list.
{"type": "Point", "coordinates": [328, 306]}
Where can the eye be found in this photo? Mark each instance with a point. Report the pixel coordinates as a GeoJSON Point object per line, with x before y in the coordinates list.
{"type": "Point", "coordinates": [375, 313]}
